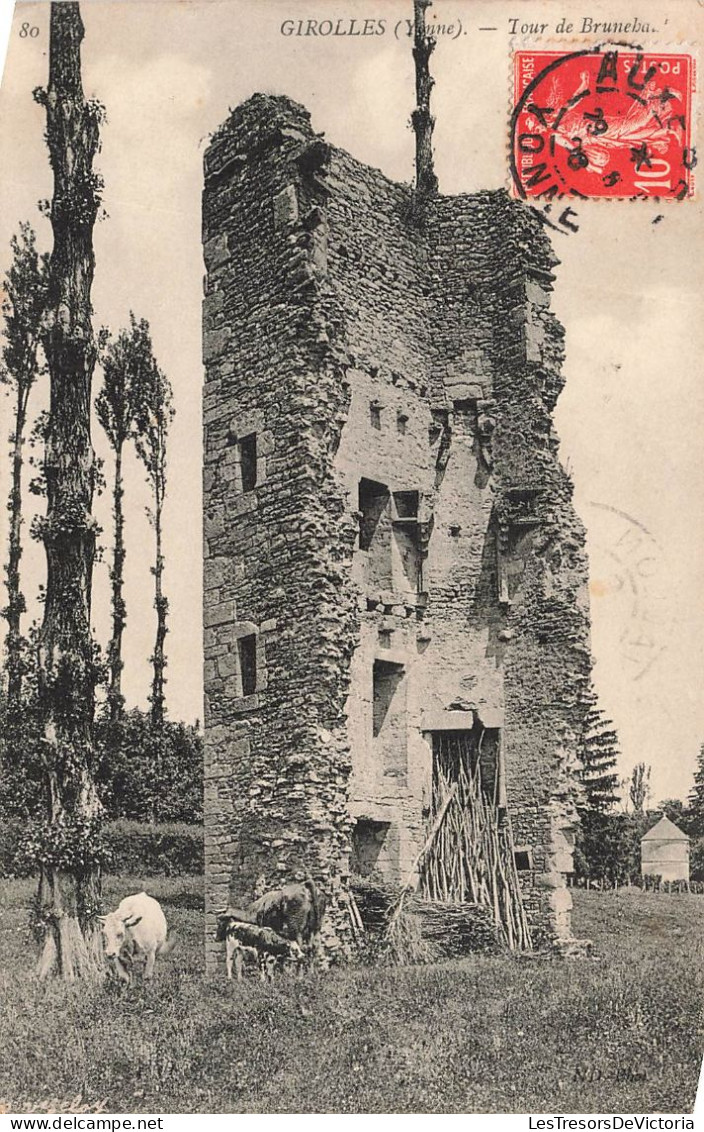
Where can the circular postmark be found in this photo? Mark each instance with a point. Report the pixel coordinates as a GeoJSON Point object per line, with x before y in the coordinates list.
{"type": "Point", "coordinates": [627, 570]}
{"type": "Point", "coordinates": [606, 121]}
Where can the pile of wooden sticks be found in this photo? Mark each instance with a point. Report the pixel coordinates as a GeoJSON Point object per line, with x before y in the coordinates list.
{"type": "Point", "coordinates": [447, 930]}
{"type": "Point", "coordinates": [470, 858]}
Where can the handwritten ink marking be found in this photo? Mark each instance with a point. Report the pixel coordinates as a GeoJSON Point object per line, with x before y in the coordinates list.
{"type": "Point", "coordinates": [565, 222]}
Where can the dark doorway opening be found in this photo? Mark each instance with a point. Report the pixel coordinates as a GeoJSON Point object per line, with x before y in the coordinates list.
{"type": "Point", "coordinates": [369, 846]}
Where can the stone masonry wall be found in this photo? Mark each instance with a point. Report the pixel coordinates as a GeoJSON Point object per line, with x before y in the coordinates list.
{"type": "Point", "coordinates": [361, 349]}
{"type": "Point", "coordinates": [276, 558]}
{"type": "Point", "coordinates": [500, 286]}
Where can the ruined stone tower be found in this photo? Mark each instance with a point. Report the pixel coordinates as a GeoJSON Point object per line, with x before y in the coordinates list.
{"type": "Point", "coordinates": [392, 560]}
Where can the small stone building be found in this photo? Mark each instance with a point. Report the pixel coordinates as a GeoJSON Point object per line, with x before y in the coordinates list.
{"type": "Point", "coordinates": [395, 577]}
{"type": "Point", "coordinates": [664, 852]}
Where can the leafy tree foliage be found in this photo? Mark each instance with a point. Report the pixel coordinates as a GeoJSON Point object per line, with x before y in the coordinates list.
{"type": "Point", "coordinates": [72, 770]}
{"type": "Point", "coordinates": [678, 812]}
{"type": "Point", "coordinates": [696, 860]}
{"type": "Point", "coordinates": [141, 774]}
{"type": "Point", "coordinates": [147, 773]}
{"type": "Point", "coordinates": [21, 768]}
{"type": "Point", "coordinates": [23, 306]}
{"type": "Point", "coordinates": [608, 847]}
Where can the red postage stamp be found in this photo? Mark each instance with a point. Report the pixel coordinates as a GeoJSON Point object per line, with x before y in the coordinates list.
{"type": "Point", "coordinates": [603, 122]}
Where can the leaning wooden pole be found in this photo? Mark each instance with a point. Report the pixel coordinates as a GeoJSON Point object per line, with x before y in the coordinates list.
{"type": "Point", "coordinates": [435, 828]}
{"type": "Point", "coordinates": [421, 118]}
{"type": "Point", "coordinates": [68, 856]}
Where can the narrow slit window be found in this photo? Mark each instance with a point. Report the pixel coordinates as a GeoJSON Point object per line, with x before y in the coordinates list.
{"type": "Point", "coordinates": [248, 461]}
{"type": "Point", "coordinates": [375, 414]}
{"type": "Point", "coordinates": [389, 717]}
{"type": "Point", "coordinates": [401, 423]}
{"type": "Point", "coordinates": [247, 649]}
{"type": "Point", "coordinates": [387, 679]}
{"type": "Point", "coordinates": [373, 507]}
{"type": "Point", "coordinates": [406, 551]}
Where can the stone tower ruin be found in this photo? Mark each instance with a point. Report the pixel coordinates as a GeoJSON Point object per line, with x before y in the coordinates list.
{"type": "Point", "coordinates": [392, 562]}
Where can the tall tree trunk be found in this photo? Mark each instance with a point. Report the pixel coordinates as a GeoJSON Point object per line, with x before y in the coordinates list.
{"type": "Point", "coordinates": [15, 598]}
{"type": "Point", "coordinates": [69, 886]}
{"type": "Point", "coordinates": [421, 118]}
{"type": "Point", "coordinates": [161, 605]}
{"type": "Point", "coordinates": [115, 697]}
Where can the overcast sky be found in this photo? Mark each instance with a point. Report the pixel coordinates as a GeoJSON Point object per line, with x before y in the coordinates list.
{"type": "Point", "coordinates": [628, 292]}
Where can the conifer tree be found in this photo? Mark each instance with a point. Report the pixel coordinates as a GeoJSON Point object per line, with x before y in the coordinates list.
{"type": "Point", "coordinates": [598, 753]}
{"type": "Point", "coordinates": [599, 838]}
{"type": "Point", "coordinates": [696, 798]}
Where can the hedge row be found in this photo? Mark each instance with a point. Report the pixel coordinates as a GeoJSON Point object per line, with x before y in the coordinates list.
{"type": "Point", "coordinates": [135, 849]}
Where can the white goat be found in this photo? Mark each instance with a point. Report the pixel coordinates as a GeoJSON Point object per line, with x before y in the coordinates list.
{"type": "Point", "coordinates": [136, 927]}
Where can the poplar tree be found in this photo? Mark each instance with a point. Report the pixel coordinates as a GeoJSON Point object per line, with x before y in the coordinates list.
{"type": "Point", "coordinates": [126, 364]}
{"type": "Point", "coordinates": [639, 787]}
{"type": "Point", "coordinates": [154, 412]}
{"type": "Point", "coordinates": [23, 306]}
{"type": "Point", "coordinates": [67, 844]}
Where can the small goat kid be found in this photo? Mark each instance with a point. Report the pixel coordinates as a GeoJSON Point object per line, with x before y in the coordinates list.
{"type": "Point", "coordinates": [244, 938]}
{"type": "Point", "coordinates": [274, 929]}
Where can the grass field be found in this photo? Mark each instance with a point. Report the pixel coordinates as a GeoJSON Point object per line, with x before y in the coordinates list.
{"type": "Point", "coordinates": [619, 1033]}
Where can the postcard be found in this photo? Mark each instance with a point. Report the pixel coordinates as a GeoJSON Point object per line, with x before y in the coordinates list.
{"type": "Point", "coordinates": [352, 751]}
